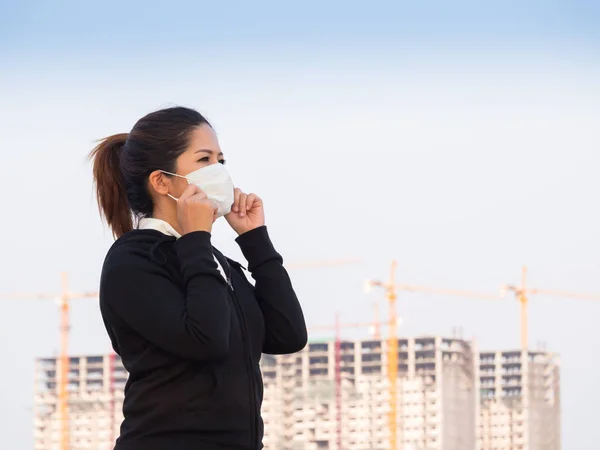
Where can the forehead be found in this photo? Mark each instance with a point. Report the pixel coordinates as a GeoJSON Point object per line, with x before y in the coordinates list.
{"type": "Point", "coordinates": [203, 138]}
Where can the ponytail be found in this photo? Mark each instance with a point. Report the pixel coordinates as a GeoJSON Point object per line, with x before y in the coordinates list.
{"type": "Point", "coordinates": [110, 185]}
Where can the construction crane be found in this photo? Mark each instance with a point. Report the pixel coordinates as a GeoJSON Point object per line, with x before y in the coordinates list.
{"type": "Point", "coordinates": [63, 300]}
{"type": "Point", "coordinates": [522, 293]}
{"type": "Point", "coordinates": [391, 287]}
{"type": "Point", "coordinates": [390, 291]}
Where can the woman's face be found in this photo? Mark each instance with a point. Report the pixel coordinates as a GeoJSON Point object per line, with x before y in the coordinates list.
{"type": "Point", "coordinates": [203, 150]}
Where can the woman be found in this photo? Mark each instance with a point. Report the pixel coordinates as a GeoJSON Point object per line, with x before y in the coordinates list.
{"type": "Point", "coordinates": [186, 322]}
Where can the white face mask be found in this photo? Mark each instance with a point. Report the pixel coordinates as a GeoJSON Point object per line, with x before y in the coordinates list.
{"type": "Point", "coordinates": [216, 183]}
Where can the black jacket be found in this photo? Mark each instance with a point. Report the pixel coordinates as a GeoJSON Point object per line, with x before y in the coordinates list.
{"type": "Point", "coordinates": [190, 342]}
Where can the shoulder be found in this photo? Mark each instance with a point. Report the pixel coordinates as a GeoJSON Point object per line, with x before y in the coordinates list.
{"type": "Point", "coordinates": [133, 252]}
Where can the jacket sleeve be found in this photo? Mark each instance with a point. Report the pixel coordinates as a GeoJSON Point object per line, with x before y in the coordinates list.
{"type": "Point", "coordinates": [192, 324]}
{"type": "Point", "coordinates": [285, 328]}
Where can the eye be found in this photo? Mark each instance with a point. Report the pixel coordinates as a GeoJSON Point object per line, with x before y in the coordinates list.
{"type": "Point", "coordinates": [205, 159]}
{"type": "Point", "coordinates": [222, 161]}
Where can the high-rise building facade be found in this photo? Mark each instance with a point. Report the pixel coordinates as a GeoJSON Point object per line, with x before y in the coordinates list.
{"type": "Point", "coordinates": [95, 400]}
{"type": "Point", "coordinates": [437, 396]}
{"type": "Point", "coordinates": [520, 401]}
{"type": "Point", "coordinates": [449, 397]}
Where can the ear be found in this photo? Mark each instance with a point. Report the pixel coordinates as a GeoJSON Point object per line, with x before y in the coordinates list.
{"type": "Point", "coordinates": [159, 182]}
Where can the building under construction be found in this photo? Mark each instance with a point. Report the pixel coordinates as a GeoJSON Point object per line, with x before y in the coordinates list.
{"type": "Point", "coordinates": [336, 395]}
{"type": "Point", "coordinates": [95, 400]}
{"type": "Point", "coordinates": [437, 396]}
{"type": "Point", "coordinates": [520, 401]}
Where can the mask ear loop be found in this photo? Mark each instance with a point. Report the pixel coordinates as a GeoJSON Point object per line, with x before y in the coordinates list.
{"type": "Point", "coordinates": [174, 175]}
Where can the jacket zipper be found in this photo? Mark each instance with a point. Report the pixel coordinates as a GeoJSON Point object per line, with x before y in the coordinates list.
{"type": "Point", "coordinates": [249, 368]}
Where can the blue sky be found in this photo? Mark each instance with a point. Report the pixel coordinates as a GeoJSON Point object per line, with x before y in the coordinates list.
{"type": "Point", "coordinates": [140, 29]}
{"type": "Point", "coordinates": [460, 138]}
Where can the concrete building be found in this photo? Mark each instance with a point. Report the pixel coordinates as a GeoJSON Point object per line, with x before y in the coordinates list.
{"type": "Point", "coordinates": [95, 389]}
{"type": "Point", "coordinates": [520, 401]}
{"type": "Point", "coordinates": [437, 404]}
{"type": "Point", "coordinates": [449, 398]}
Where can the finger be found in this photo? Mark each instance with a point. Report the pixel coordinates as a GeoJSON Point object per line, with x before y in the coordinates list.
{"type": "Point", "coordinates": [189, 191]}
{"type": "Point", "coordinates": [242, 204]}
{"type": "Point", "coordinates": [250, 201]}
{"type": "Point", "coordinates": [200, 196]}
{"type": "Point", "coordinates": [198, 189]}
{"type": "Point", "coordinates": [236, 198]}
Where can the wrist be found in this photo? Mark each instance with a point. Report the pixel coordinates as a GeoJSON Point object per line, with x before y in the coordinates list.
{"type": "Point", "coordinates": [256, 246]}
{"type": "Point", "coordinates": [207, 228]}
{"type": "Point", "coordinates": [198, 230]}
{"type": "Point", "coordinates": [243, 231]}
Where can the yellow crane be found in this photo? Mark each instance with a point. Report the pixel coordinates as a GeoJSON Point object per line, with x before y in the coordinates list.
{"type": "Point", "coordinates": [522, 293]}
{"type": "Point", "coordinates": [63, 299]}
{"type": "Point", "coordinates": [391, 287]}
{"type": "Point", "coordinates": [392, 354]}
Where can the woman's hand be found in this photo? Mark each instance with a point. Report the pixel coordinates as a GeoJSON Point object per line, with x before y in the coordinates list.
{"type": "Point", "coordinates": [195, 212]}
{"type": "Point", "coordinates": [247, 212]}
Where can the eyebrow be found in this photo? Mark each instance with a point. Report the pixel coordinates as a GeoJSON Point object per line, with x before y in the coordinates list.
{"type": "Point", "coordinates": [206, 150]}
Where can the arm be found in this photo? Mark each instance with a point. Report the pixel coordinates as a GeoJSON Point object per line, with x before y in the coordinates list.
{"type": "Point", "coordinates": [285, 329]}
{"type": "Point", "coordinates": [194, 324]}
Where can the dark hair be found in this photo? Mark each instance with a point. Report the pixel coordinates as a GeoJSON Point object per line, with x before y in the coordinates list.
{"type": "Point", "coordinates": [122, 163]}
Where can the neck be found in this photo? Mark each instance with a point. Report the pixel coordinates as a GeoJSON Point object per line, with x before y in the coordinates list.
{"type": "Point", "coordinates": [168, 215]}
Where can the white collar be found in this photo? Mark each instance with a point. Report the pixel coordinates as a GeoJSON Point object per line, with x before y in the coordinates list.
{"type": "Point", "coordinates": [150, 223]}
